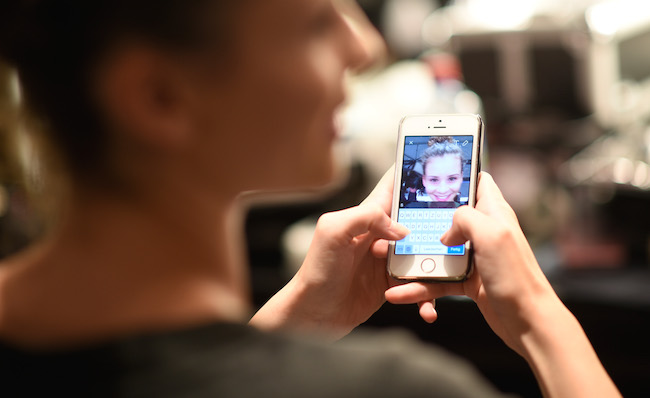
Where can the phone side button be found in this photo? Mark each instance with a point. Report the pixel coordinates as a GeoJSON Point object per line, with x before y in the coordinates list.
{"type": "Point", "coordinates": [428, 265]}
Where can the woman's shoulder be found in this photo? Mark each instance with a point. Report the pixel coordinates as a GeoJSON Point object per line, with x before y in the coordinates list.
{"type": "Point", "coordinates": [415, 368]}
{"type": "Point", "coordinates": [240, 361]}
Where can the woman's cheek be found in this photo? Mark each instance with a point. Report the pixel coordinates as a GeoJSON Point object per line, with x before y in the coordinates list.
{"type": "Point", "coordinates": [456, 187]}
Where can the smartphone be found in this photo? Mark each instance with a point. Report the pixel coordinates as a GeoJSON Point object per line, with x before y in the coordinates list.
{"type": "Point", "coordinates": [436, 171]}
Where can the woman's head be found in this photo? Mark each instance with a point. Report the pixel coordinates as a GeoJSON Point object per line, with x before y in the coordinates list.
{"type": "Point", "coordinates": [223, 84]}
{"type": "Point", "coordinates": [56, 47]}
{"type": "Point", "coordinates": [442, 164]}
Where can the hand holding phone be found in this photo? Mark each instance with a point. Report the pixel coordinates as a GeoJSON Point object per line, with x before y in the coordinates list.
{"type": "Point", "coordinates": [437, 165]}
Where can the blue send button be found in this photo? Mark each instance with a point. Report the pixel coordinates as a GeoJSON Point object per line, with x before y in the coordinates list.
{"type": "Point", "coordinates": [456, 249]}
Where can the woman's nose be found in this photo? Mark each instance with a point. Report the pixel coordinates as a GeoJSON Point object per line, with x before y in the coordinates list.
{"type": "Point", "coordinates": [366, 47]}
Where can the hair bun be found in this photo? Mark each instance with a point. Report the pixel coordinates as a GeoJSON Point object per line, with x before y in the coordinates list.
{"type": "Point", "coordinates": [440, 140]}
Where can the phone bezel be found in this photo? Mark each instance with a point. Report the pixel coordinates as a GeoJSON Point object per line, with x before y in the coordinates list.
{"type": "Point", "coordinates": [448, 268]}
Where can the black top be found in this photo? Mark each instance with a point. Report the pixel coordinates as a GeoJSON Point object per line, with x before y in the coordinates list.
{"type": "Point", "coordinates": [228, 360]}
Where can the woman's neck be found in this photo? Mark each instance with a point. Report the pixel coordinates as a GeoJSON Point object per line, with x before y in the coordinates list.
{"type": "Point", "coordinates": [116, 266]}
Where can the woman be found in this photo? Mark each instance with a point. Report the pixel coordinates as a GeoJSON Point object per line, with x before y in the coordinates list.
{"type": "Point", "coordinates": [442, 165]}
{"type": "Point", "coordinates": [162, 114]}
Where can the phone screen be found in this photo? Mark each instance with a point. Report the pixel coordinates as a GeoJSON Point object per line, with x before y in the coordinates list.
{"type": "Point", "coordinates": [435, 182]}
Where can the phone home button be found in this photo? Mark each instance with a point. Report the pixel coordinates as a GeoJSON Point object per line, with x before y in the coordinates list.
{"type": "Point", "coordinates": [428, 265]}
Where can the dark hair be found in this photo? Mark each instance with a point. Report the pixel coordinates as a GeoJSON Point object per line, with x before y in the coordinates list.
{"type": "Point", "coordinates": [55, 46]}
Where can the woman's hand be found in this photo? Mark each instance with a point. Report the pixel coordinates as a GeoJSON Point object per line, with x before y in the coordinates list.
{"type": "Point", "coordinates": [506, 280]}
{"type": "Point", "coordinates": [343, 279]}
{"type": "Point", "coordinates": [516, 299]}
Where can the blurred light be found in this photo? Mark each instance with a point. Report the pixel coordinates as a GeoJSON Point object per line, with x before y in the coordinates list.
{"type": "Point", "coordinates": [405, 83]}
{"type": "Point", "coordinates": [623, 171]}
{"type": "Point", "coordinates": [641, 175]}
{"type": "Point", "coordinates": [646, 144]}
{"type": "Point", "coordinates": [403, 21]}
{"type": "Point", "coordinates": [437, 28]}
{"type": "Point", "coordinates": [608, 18]}
{"type": "Point", "coordinates": [502, 14]}
{"type": "Point", "coordinates": [467, 101]}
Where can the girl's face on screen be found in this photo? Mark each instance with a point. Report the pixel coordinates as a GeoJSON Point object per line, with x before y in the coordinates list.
{"type": "Point", "coordinates": [442, 177]}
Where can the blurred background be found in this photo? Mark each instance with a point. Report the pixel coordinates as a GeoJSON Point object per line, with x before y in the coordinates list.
{"type": "Point", "coordinates": [564, 89]}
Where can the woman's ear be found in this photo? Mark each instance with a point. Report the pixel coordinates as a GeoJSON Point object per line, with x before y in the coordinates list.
{"type": "Point", "coordinates": [147, 97]}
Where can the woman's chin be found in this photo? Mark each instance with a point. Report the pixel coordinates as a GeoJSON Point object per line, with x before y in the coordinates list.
{"type": "Point", "coordinates": [304, 179]}
{"type": "Point", "coordinates": [322, 177]}
{"type": "Point", "coordinates": [327, 171]}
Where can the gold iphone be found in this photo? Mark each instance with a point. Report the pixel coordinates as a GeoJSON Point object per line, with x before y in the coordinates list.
{"type": "Point", "coordinates": [437, 166]}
